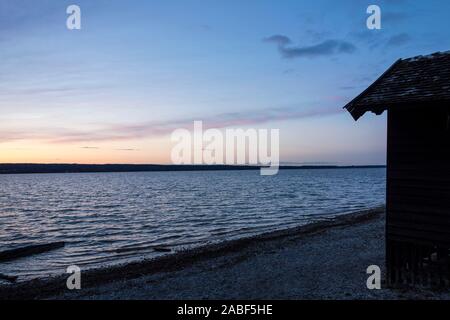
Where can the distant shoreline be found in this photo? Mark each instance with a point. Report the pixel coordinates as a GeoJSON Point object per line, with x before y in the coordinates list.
{"type": "Point", "coordinates": [31, 168]}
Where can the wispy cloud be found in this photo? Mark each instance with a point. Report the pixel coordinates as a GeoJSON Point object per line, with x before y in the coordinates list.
{"type": "Point", "coordinates": [279, 40]}
{"type": "Point", "coordinates": [117, 149]}
{"type": "Point", "coordinates": [325, 48]}
{"type": "Point", "coordinates": [122, 132]}
{"type": "Point", "coordinates": [398, 40]}
{"type": "Point", "coordinates": [392, 17]}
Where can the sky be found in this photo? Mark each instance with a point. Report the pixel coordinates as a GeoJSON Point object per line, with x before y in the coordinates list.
{"type": "Point", "coordinates": [114, 91]}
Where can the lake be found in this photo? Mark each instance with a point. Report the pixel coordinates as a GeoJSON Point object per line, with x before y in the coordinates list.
{"type": "Point", "coordinates": [109, 218]}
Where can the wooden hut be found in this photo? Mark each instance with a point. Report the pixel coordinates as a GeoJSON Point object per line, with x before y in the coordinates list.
{"type": "Point", "coordinates": [416, 94]}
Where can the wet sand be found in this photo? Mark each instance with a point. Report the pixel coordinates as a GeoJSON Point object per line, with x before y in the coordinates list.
{"type": "Point", "coordinates": [325, 260]}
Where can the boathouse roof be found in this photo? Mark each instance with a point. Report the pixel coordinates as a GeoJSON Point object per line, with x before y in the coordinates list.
{"type": "Point", "coordinates": [421, 79]}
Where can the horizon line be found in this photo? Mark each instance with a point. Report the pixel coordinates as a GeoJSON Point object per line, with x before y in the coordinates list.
{"type": "Point", "coordinates": [281, 164]}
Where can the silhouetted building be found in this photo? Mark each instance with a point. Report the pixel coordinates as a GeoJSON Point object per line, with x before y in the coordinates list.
{"type": "Point", "coordinates": [416, 94]}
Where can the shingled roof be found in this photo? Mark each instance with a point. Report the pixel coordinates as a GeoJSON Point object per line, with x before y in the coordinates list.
{"type": "Point", "coordinates": [407, 81]}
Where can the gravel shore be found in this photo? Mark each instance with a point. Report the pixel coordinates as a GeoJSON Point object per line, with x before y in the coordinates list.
{"type": "Point", "coordinates": [327, 260]}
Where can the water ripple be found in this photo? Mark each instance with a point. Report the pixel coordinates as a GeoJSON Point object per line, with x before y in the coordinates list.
{"type": "Point", "coordinates": [108, 217]}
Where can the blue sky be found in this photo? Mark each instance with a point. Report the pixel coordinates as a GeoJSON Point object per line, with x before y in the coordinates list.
{"type": "Point", "coordinates": [114, 90]}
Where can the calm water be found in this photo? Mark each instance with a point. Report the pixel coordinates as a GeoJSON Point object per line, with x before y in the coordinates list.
{"type": "Point", "coordinates": [109, 218]}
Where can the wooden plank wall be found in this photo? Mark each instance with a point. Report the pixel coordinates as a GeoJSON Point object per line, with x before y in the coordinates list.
{"type": "Point", "coordinates": [418, 187]}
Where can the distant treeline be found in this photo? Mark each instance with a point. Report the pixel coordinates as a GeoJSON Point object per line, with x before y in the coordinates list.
{"type": "Point", "coordinates": [73, 168]}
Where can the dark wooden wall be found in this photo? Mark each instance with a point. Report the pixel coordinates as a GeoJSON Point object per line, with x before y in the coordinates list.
{"type": "Point", "coordinates": [418, 189]}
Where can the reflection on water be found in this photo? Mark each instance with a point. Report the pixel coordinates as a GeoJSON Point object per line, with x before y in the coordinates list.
{"type": "Point", "coordinates": [114, 217]}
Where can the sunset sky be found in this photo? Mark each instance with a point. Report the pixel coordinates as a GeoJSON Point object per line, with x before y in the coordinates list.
{"type": "Point", "coordinates": [113, 91]}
